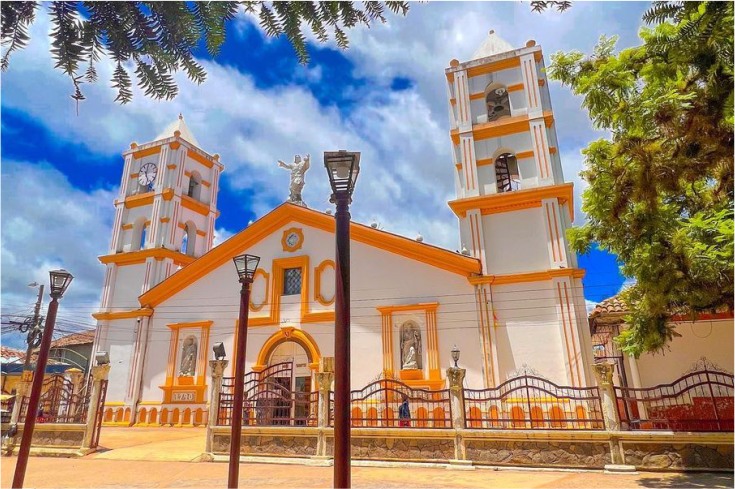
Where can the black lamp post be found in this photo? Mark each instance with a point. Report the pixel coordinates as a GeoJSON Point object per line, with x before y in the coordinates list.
{"type": "Point", "coordinates": [60, 280]}
{"type": "Point", "coordinates": [342, 168]}
{"type": "Point", "coordinates": [246, 266]}
{"type": "Point", "coordinates": [455, 355]}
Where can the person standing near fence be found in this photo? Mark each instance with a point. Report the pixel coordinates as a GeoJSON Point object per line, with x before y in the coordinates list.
{"type": "Point", "coordinates": [404, 413]}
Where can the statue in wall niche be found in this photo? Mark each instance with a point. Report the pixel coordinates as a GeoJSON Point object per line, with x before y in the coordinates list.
{"type": "Point", "coordinates": [410, 347]}
{"type": "Point", "coordinates": [298, 170]}
{"type": "Point", "coordinates": [188, 358]}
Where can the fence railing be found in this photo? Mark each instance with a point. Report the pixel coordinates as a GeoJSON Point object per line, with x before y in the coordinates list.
{"type": "Point", "coordinates": [58, 403]}
{"type": "Point", "coordinates": [530, 402]}
{"type": "Point", "coordinates": [699, 401]}
{"type": "Point", "coordinates": [268, 400]}
{"type": "Point", "coordinates": [381, 405]}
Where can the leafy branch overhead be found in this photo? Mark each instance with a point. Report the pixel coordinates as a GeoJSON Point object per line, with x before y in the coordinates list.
{"type": "Point", "coordinates": [660, 192]}
{"type": "Point", "coordinates": [156, 39]}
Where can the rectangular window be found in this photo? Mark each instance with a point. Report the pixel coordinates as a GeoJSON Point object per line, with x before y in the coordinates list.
{"type": "Point", "coordinates": [292, 281]}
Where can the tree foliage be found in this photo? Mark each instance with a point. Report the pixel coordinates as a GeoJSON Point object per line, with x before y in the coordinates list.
{"type": "Point", "coordinates": [660, 190]}
{"type": "Point", "coordinates": [156, 39]}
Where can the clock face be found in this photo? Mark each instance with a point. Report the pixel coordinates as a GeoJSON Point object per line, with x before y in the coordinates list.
{"type": "Point", "coordinates": [292, 239]}
{"type": "Point", "coordinates": [147, 174]}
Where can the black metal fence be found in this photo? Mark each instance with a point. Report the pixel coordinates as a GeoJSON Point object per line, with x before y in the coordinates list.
{"type": "Point", "coordinates": [59, 403]}
{"type": "Point", "coordinates": [269, 399]}
{"type": "Point", "coordinates": [531, 402]}
{"type": "Point", "coordinates": [701, 400]}
{"type": "Point", "coordinates": [389, 403]}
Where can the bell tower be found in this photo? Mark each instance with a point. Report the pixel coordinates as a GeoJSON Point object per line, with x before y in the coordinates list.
{"type": "Point", "coordinates": [514, 207]}
{"type": "Point", "coordinates": [164, 220]}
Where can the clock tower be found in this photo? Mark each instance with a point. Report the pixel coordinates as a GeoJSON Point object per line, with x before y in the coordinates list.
{"type": "Point", "coordinates": [164, 220]}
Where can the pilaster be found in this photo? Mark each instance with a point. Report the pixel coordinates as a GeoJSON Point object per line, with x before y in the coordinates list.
{"type": "Point", "coordinates": [217, 371]}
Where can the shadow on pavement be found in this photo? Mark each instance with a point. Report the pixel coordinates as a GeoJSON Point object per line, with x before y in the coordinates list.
{"type": "Point", "coordinates": [690, 480]}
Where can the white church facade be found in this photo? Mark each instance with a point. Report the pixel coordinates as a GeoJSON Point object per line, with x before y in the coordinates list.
{"type": "Point", "coordinates": [511, 299]}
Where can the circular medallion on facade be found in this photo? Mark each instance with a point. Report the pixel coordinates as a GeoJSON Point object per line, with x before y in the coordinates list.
{"type": "Point", "coordinates": [292, 239]}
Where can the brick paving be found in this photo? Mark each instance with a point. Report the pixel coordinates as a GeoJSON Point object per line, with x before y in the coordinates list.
{"type": "Point", "coordinates": [160, 457]}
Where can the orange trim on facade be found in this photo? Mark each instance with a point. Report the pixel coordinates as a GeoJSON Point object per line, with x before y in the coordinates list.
{"type": "Point", "coordinates": [518, 278]}
{"type": "Point", "coordinates": [509, 200]}
{"type": "Point", "coordinates": [199, 158]}
{"type": "Point", "coordinates": [201, 233]}
{"type": "Point", "coordinates": [194, 205]}
{"type": "Point", "coordinates": [140, 256]}
{"type": "Point", "coordinates": [306, 316]}
{"type": "Point", "coordinates": [266, 276]}
{"type": "Point", "coordinates": [300, 241]}
{"type": "Point", "coordinates": [133, 313]}
{"type": "Point", "coordinates": [288, 334]}
{"type": "Point", "coordinates": [286, 213]}
{"type": "Point", "coordinates": [502, 127]}
{"type": "Point", "coordinates": [318, 283]}
{"type": "Point", "coordinates": [174, 145]}
{"type": "Point", "coordinates": [125, 227]}
{"type": "Point", "coordinates": [502, 64]}
{"type": "Point", "coordinates": [171, 166]}
{"type": "Point", "coordinates": [524, 154]}
{"type": "Point", "coordinates": [147, 152]}
{"type": "Point", "coordinates": [165, 219]}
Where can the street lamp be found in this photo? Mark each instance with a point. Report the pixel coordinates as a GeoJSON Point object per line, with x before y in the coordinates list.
{"type": "Point", "coordinates": [219, 351]}
{"type": "Point", "coordinates": [342, 168]}
{"type": "Point", "coordinates": [455, 355]}
{"type": "Point", "coordinates": [60, 280]}
{"type": "Point", "coordinates": [245, 266]}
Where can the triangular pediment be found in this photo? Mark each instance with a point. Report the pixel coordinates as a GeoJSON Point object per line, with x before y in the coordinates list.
{"type": "Point", "coordinates": [289, 213]}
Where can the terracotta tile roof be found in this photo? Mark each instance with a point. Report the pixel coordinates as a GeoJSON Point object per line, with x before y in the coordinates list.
{"type": "Point", "coordinates": [613, 308]}
{"type": "Point", "coordinates": [7, 353]}
{"type": "Point", "coordinates": [611, 305]}
{"type": "Point", "coordinates": [83, 338]}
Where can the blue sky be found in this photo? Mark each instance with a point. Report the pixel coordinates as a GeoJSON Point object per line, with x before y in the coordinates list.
{"type": "Point", "coordinates": [385, 96]}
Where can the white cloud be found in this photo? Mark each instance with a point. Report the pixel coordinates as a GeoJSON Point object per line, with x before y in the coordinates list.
{"type": "Point", "coordinates": [48, 224]}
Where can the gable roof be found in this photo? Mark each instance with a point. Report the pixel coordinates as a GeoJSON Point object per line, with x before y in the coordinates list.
{"type": "Point", "coordinates": [82, 338]}
{"type": "Point", "coordinates": [287, 212]}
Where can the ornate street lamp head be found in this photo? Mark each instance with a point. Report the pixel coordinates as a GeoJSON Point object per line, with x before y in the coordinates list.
{"type": "Point", "coordinates": [455, 355]}
{"type": "Point", "coordinates": [342, 167]}
{"type": "Point", "coordinates": [60, 280]}
{"type": "Point", "coordinates": [219, 351]}
{"type": "Point", "coordinates": [102, 358]}
{"type": "Point", "coordinates": [246, 266]}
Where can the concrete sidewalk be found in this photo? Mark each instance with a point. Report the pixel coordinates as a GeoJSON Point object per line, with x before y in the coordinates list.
{"type": "Point", "coordinates": [151, 444]}
{"type": "Point", "coordinates": [95, 472]}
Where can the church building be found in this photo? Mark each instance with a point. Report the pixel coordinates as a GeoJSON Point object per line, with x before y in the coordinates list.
{"type": "Point", "coordinates": [510, 300]}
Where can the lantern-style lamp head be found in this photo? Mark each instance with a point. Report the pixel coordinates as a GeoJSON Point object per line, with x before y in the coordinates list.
{"type": "Point", "coordinates": [60, 280]}
{"type": "Point", "coordinates": [102, 358]}
{"type": "Point", "coordinates": [219, 351]}
{"type": "Point", "coordinates": [246, 266]}
{"type": "Point", "coordinates": [342, 167]}
{"type": "Point", "coordinates": [455, 355]}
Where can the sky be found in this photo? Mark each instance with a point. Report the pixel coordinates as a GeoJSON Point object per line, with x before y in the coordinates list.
{"type": "Point", "coordinates": [385, 96]}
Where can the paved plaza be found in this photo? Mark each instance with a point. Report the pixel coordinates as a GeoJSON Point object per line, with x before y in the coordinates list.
{"type": "Point", "coordinates": [162, 457]}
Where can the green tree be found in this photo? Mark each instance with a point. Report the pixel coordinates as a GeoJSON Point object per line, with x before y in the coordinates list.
{"type": "Point", "coordinates": [156, 39]}
{"type": "Point", "coordinates": [660, 190]}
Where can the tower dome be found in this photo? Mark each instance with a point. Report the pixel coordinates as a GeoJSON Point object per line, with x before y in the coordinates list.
{"type": "Point", "coordinates": [492, 45]}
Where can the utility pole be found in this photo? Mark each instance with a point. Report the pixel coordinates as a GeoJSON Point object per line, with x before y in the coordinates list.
{"type": "Point", "coordinates": [34, 335]}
